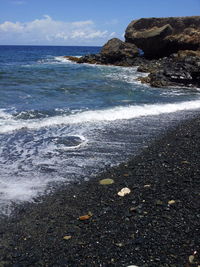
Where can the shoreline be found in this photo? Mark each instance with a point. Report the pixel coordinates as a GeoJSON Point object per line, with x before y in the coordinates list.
{"type": "Point", "coordinates": [157, 224]}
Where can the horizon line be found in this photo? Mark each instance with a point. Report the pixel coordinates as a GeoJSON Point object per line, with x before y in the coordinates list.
{"type": "Point", "coordinates": [50, 45]}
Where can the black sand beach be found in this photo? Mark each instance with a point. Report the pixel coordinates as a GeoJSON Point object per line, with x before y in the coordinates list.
{"type": "Point", "coordinates": [157, 224]}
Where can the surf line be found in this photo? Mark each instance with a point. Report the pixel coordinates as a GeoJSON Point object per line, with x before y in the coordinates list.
{"type": "Point", "coordinates": [95, 116]}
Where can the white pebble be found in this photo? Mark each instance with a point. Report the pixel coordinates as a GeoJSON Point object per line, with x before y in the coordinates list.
{"type": "Point", "coordinates": [124, 191]}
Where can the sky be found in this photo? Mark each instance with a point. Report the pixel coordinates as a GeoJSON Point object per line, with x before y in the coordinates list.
{"type": "Point", "coordinates": [80, 22]}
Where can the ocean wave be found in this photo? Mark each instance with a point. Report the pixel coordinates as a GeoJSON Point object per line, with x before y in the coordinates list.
{"type": "Point", "coordinates": [114, 73]}
{"type": "Point", "coordinates": [96, 116]}
{"type": "Point", "coordinates": [56, 60]}
{"type": "Point", "coordinates": [125, 74]}
{"type": "Point", "coordinates": [62, 59]}
{"type": "Point", "coordinates": [4, 114]}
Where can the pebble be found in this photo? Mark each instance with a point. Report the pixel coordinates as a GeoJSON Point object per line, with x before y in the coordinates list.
{"type": "Point", "coordinates": [106, 181]}
{"type": "Point", "coordinates": [191, 259]}
{"type": "Point", "coordinates": [185, 162]}
{"type": "Point", "coordinates": [85, 217]}
{"type": "Point", "coordinates": [171, 202]}
{"type": "Point", "coordinates": [124, 191]}
{"type": "Point", "coordinates": [67, 237]}
{"type": "Point", "coordinates": [119, 244]}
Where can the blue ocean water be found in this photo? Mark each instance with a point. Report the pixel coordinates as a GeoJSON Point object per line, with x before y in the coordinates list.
{"type": "Point", "coordinates": [61, 121]}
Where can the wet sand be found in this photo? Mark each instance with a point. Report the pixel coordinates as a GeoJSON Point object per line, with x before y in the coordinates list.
{"type": "Point", "coordinates": [156, 224]}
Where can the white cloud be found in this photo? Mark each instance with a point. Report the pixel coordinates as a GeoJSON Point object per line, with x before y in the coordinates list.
{"type": "Point", "coordinates": [82, 23]}
{"type": "Point", "coordinates": [49, 31]}
{"type": "Point", "coordinates": [11, 27]}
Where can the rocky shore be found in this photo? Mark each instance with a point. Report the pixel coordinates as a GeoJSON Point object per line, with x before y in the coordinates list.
{"type": "Point", "coordinates": [170, 51]}
{"type": "Point", "coordinates": [153, 222]}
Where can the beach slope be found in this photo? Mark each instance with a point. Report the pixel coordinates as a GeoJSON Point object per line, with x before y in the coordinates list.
{"type": "Point", "coordinates": [156, 224]}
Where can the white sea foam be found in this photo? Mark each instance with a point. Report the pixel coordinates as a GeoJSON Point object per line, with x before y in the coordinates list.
{"type": "Point", "coordinates": [62, 59]}
{"type": "Point", "coordinates": [55, 60]}
{"type": "Point", "coordinates": [22, 189]}
{"type": "Point", "coordinates": [95, 116]}
{"type": "Point", "coordinates": [83, 142]}
{"type": "Point", "coordinates": [125, 74]}
{"type": "Point", "coordinates": [33, 162]}
{"type": "Point", "coordinates": [4, 114]}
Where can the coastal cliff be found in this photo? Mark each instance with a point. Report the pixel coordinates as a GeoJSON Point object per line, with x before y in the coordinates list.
{"type": "Point", "coordinates": [170, 46]}
{"type": "Point", "coordinates": [159, 37]}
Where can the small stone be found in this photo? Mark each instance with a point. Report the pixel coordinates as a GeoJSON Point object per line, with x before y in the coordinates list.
{"type": "Point", "coordinates": [147, 185]}
{"type": "Point", "coordinates": [133, 236]}
{"type": "Point", "coordinates": [90, 213]}
{"type": "Point", "coordinates": [185, 162]}
{"type": "Point", "coordinates": [134, 209]}
{"type": "Point", "coordinates": [171, 202]}
{"type": "Point", "coordinates": [119, 244]}
{"type": "Point", "coordinates": [191, 259]}
{"type": "Point", "coordinates": [124, 191]}
{"type": "Point", "coordinates": [67, 237]}
{"type": "Point", "coordinates": [106, 181]}
{"type": "Point", "coordinates": [85, 217]}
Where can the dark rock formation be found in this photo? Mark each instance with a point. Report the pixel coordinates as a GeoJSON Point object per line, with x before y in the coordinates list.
{"type": "Point", "coordinates": [171, 51]}
{"type": "Point", "coordinates": [159, 37]}
{"type": "Point", "coordinates": [92, 59]}
{"type": "Point", "coordinates": [181, 69]}
{"type": "Point", "coordinates": [71, 58]}
{"type": "Point", "coordinates": [114, 52]}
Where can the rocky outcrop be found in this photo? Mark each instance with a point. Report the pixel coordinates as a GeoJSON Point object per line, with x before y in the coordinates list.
{"type": "Point", "coordinates": [181, 69]}
{"type": "Point", "coordinates": [114, 52]}
{"type": "Point", "coordinates": [159, 37]}
{"type": "Point", "coordinates": [171, 51]}
{"type": "Point", "coordinates": [71, 58]}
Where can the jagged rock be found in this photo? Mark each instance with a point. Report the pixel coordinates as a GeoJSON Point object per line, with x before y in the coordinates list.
{"type": "Point", "coordinates": [115, 50]}
{"type": "Point", "coordinates": [171, 51]}
{"type": "Point", "coordinates": [176, 70]}
{"type": "Point", "coordinates": [187, 53]}
{"type": "Point", "coordinates": [91, 59]}
{"type": "Point", "coordinates": [159, 37]}
{"type": "Point", "coordinates": [71, 58]}
{"type": "Point", "coordinates": [149, 66]}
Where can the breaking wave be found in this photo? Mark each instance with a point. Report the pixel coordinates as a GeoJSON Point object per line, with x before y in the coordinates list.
{"type": "Point", "coordinates": [8, 123]}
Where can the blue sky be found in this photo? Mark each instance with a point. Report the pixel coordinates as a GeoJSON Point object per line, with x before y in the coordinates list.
{"type": "Point", "coordinates": [80, 22]}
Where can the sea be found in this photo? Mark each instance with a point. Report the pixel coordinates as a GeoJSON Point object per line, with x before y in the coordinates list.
{"type": "Point", "coordinates": [63, 122]}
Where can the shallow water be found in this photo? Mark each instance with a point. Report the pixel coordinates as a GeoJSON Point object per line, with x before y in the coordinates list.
{"type": "Point", "coordinates": [61, 121]}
